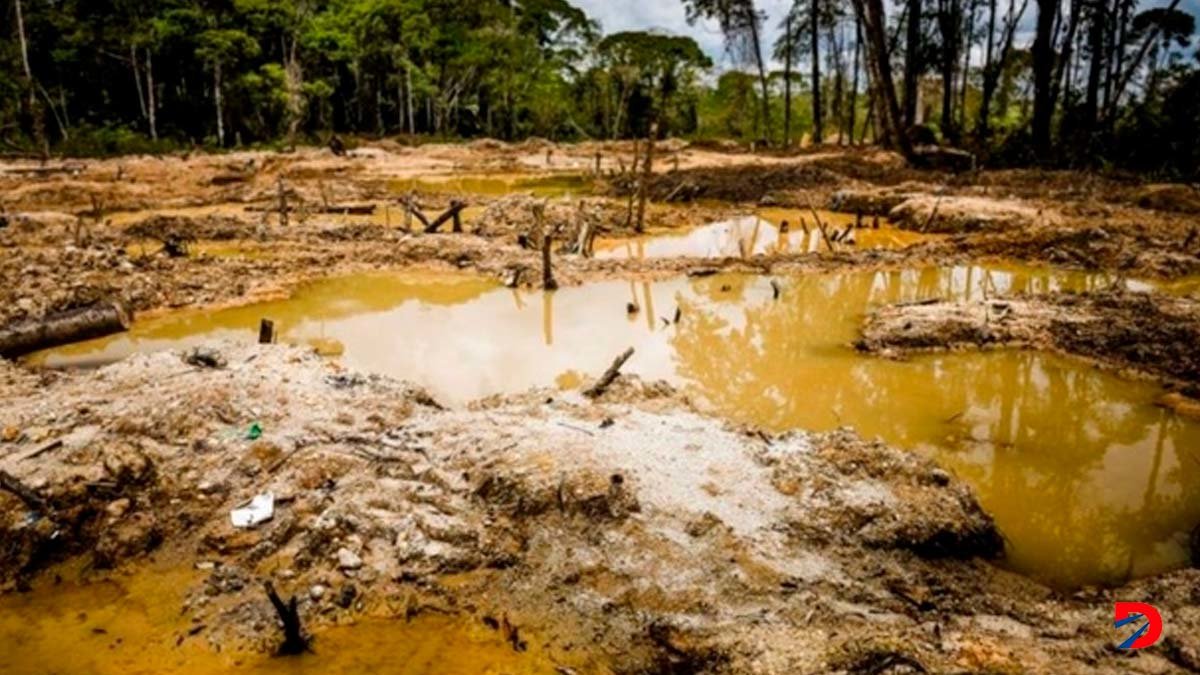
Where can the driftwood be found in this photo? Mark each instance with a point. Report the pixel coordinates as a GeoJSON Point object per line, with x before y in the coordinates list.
{"type": "Point", "coordinates": [294, 641]}
{"type": "Point", "coordinates": [454, 212]}
{"type": "Point", "coordinates": [63, 328]}
{"type": "Point", "coordinates": [33, 500]}
{"type": "Point", "coordinates": [609, 375]}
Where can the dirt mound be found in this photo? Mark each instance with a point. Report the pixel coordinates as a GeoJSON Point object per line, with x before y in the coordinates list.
{"type": "Point", "coordinates": [877, 201]}
{"type": "Point", "coordinates": [1168, 197]}
{"type": "Point", "coordinates": [1143, 332]}
{"type": "Point", "coordinates": [189, 228]}
{"type": "Point", "coordinates": [745, 184]}
{"type": "Point", "coordinates": [518, 217]}
{"type": "Point", "coordinates": [951, 214]}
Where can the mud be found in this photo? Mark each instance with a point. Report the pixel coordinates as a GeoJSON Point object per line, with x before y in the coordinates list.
{"type": "Point", "coordinates": [631, 525]}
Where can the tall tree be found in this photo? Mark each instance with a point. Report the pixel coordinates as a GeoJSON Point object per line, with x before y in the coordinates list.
{"type": "Point", "coordinates": [740, 22]}
{"type": "Point", "coordinates": [874, 19]}
{"type": "Point", "coordinates": [913, 67]}
{"type": "Point", "coordinates": [1043, 75]}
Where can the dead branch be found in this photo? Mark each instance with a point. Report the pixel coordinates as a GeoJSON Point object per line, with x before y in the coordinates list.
{"type": "Point", "coordinates": [609, 375]}
{"type": "Point", "coordinates": [294, 641]}
{"type": "Point", "coordinates": [9, 483]}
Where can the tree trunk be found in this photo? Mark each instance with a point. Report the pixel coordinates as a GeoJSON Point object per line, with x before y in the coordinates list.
{"type": "Point", "coordinates": [815, 30]}
{"type": "Point", "coordinates": [151, 95]}
{"type": "Point", "coordinates": [647, 174]}
{"type": "Point", "coordinates": [1096, 63]}
{"type": "Point", "coordinates": [62, 328]}
{"type": "Point", "coordinates": [219, 104]}
{"type": "Point", "coordinates": [137, 81]}
{"type": "Point", "coordinates": [762, 77]}
{"type": "Point", "coordinates": [787, 83]}
{"type": "Point", "coordinates": [912, 62]}
{"type": "Point", "coordinates": [852, 113]}
{"type": "Point", "coordinates": [949, 20]}
{"type": "Point", "coordinates": [1043, 75]}
{"type": "Point", "coordinates": [874, 18]}
{"type": "Point", "coordinates": [839, 83]}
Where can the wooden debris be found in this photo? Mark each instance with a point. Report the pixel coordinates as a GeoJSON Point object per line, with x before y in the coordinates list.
{"type": "Point", "coordinates": [266, 332]}
{"type": "Point", "coordinates": [453, 212]}
{"type": "Point", "coordinates": [647, 174]}
{"type": "Point", "coordinates": [609, 375]}
{"type": "Point", "coordinates": [336, 146]}
{"type": "Point", "coordinates": [283, 203]}
{"type": "Point", "coordinates": [47, 447]}
{"type": "Point", "coordinates": [74, 325]}
{"type": "Point", "coordinates": [294, 641]}
{"type": "Point", "coordinates": [9, 483]}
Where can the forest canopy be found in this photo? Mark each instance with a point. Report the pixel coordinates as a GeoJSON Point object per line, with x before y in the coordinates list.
{"type": "Point", "coordinates": [1053, 81]}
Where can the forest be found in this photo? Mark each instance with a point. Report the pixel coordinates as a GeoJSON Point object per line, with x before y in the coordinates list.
{"type": "Point", "coordinates": [1062, 82]}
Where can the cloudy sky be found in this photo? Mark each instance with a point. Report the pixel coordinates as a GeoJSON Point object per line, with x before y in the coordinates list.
{"type": "Point", "coordinates": [668, 16]}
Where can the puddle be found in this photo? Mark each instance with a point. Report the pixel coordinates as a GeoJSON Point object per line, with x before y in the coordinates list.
{"type": "Point", "coordinates": [555, 185]}
{"type": "Point", "coordinates": [131, 625]}
{"type": "Point", "coordinates": [759, 234]}
{"type": "Point", "coordinates": [1088, 480]}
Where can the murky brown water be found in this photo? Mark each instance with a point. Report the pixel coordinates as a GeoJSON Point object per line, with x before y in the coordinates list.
{"type": "Point", "coordinates": [130, 624]}
{"type": "Point", "coordinates": [758, 234]}
{"type": "Point", "coordinates": [1089, 481]}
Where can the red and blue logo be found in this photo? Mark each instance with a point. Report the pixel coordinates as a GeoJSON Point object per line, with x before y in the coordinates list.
{"type": "Point", "coordinates": [1147, 622]}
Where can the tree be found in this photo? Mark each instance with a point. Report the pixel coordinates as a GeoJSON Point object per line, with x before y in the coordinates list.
{"type": "Point", "coordinates": [739, 21]}
{"type": "Point", "coordinates": [1043, 72]}
{"type": "Point", "coordinates": [874, 20]}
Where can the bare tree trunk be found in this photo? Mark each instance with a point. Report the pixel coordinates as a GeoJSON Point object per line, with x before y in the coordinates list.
{"type": "Point", "coordinates": [815, 29]}
{"type": "Point", "coordinates": [151, 95]}
{"type": "Point", "coordinates": [839, 83]}
{"type": "Point", "coordinates": [1126, 76]}
{"type": "Point", "coordinates": [874, 18]}
{"type": "Point", "coordinates": [1043, 76]}
{"type": "Point", "coordinates": [412, 125]}
{"type": "Point", "coordinates": [762, 77]}
{"type": "Point", "coordinates": [949, 20]}
{"type": "Point", "coordinates": [219, 103]}
{"type": "Point", "coordinates": [853, 104]}
{"type": "Point", "coordinates": [647, 174]}
{"type": "Point", "coordinates": [137, 81]}
{"type": "Point", "coordinates": [787, 83]}
{"type": "Point", "coordinates": [912, 62]}
{"type": "Point", "coordinates": [39, 130]}
{"type": "Point", "coordinates": [1096, 63]}
{"type": "Point", "coordinates": [966, 71]}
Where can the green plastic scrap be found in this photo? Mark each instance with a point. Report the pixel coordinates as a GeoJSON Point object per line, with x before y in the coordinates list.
{"type": "Point", "coordinates": [255, 432]}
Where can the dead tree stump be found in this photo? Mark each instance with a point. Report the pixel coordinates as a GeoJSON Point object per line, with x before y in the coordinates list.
{"type": "Point", "coordinates": [644, 184]}
{"type": "Point", "coordinates": [294, 641]}
{"type": "Point", "coordinates": [63, 328]}
{"type": "Point", "coordinates": [455, 209]}
{"type": "Point", "coordinates": [548, 281]}
{"type": "Point", "coordinates": [266, 332]}
{"type": "Point", "coordinates": [283, 203]}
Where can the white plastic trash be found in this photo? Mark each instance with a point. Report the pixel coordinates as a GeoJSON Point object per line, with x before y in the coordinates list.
{"type": "Point", "coordinates": [260, 510]}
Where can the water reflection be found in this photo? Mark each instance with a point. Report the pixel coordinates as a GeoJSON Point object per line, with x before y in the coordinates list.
{"type": "Point", "coordinates": [760, 234]}
{"type": "Point", "coordinates": [1087, 479]}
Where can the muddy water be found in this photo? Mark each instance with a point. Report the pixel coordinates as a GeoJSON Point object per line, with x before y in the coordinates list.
{"type": "Point", "coordinates": [1089, 481]}
{"type": "Point", "coordinates": [498, 185]}
{"type": "Point", "coordinates": [130, 624]}
{"type": "Point", "coordinates": [759, 234]}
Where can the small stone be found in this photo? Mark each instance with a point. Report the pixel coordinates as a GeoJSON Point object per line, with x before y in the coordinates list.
{"type": "Point", "coordinates": [118, 508]}
{"type": "Point", "coordinates": [939, 477]}
{"type": "Point", "coordinates": [348, 560]}
{"type": "Point", "coordinates": [317, 592]}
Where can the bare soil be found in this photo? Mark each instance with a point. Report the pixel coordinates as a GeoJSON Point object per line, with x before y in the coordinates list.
{"type": "Point", "coordinates": [669, 540]}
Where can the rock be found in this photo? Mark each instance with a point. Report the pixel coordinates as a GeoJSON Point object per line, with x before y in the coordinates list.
{"type": "Point", "coordinates": [317, 591]}
{"type": "Point", "coordinates": [348, 560]}
{"type": "Point", "coordinates": [346, 596]}
{"type": "Point", "coordinates": [118, 508]}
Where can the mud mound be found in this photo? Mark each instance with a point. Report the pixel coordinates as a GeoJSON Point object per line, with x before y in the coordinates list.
{"type": "Point", "coordinates": [1143, 332]}
{"type": "Point", "coordinates": [518, 217]}
{"type": "Point", "coordinates": [187, 228]}
{"type": "Point", "coordinates": [966, 214]}
{"type": "Point", "coordinates": [1168, 197]}
{"type": "Point", "coordinates": [877, 201]}
{"type": "Point", "coordinates": [734, 184]}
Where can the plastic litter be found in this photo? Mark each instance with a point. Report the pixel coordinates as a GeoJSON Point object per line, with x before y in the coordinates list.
{"type": "Point", "coordinates": [260, 510]}
{"type": "Point", "coordinates": [255, 432]}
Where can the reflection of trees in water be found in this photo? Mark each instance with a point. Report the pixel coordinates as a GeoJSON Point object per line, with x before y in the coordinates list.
{"type": "Point", "coordinates": [1038, 437]}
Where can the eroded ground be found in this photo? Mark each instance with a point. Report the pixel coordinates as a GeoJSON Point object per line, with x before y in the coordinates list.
{"type": "Point", "coordinates": [712, 516]}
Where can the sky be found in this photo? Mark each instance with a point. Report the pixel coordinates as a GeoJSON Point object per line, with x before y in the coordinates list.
{"type": "Point", "coordinates": [669, 16]}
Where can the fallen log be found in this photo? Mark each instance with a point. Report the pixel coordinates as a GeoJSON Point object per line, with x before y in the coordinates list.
{"type": "Point", "coordinates": [74, 325]}
{"type": "Point", "coordinates": [331, 209]}
{"type": "Point", "coordinates": [609, 376]}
